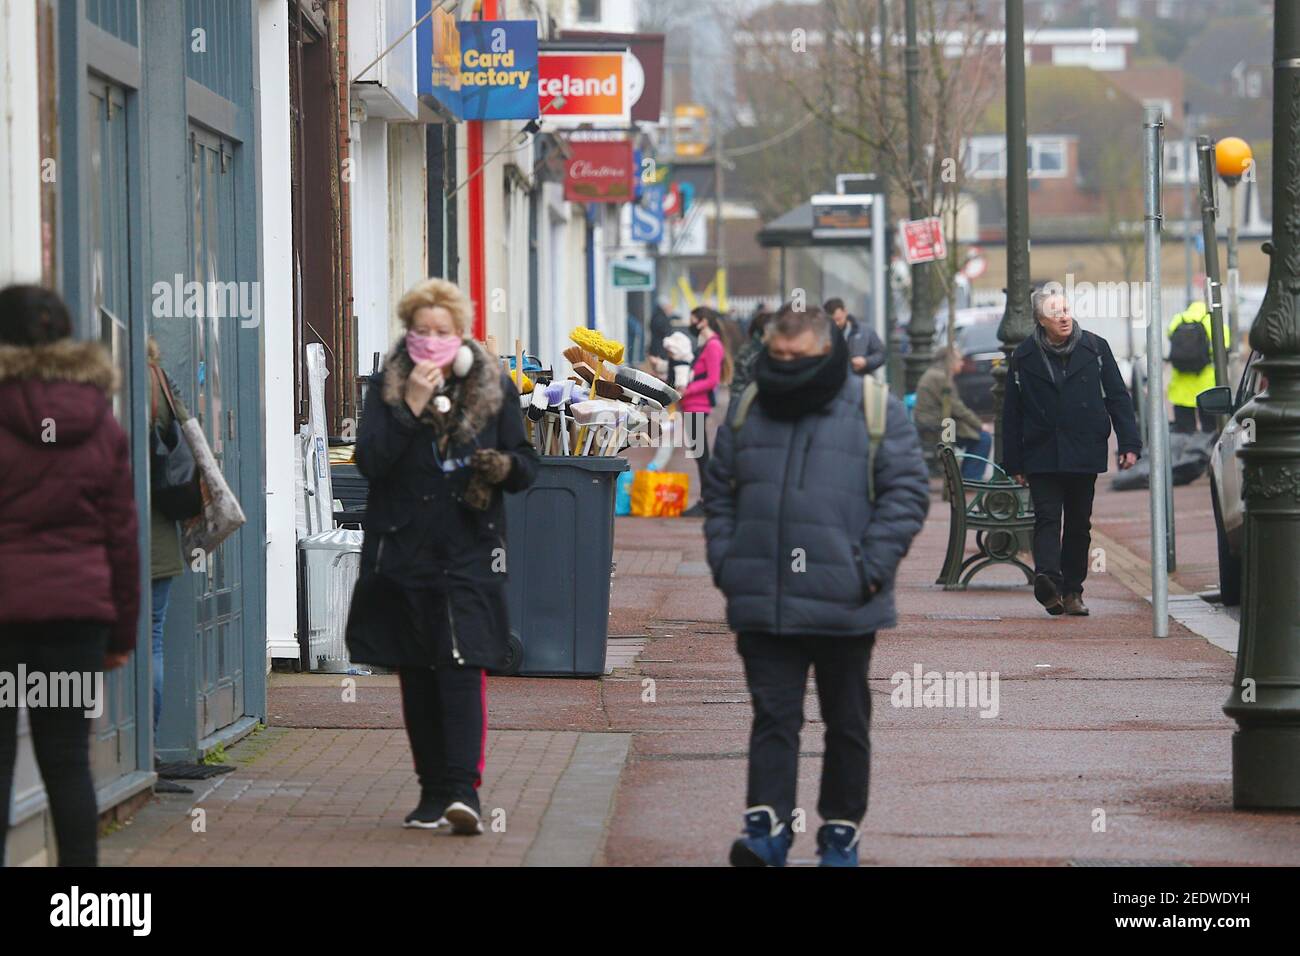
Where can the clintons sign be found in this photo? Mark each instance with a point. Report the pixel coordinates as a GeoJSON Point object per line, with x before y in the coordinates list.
{"type": "Point", "coordinates": [600, 172]}
{"type": "Point", "coordinates": [593, 85]}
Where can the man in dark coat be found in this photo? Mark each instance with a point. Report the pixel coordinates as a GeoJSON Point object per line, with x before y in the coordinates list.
{"type": "Point", "coordinates": [1063, 394]}
{"type": "Point", "coordinates": [866, 350]}
{"type": "Point", "coordinates": [806, 556]}
{"type": "Point", "coordinates": [661, 326]}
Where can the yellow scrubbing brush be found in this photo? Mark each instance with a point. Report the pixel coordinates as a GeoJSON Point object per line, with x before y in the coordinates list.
{"type": "Point", "coordinates": [528, 382]}
{"type": "Point", "coordinates": [598, 345]}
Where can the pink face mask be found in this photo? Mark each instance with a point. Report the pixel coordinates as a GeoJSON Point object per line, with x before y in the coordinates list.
{"type": "Point", "coordinates": [440, 349]}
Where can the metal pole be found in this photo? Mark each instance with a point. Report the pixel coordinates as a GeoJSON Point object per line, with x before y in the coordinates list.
{"type": "Point", "coordinates": [1153, 126]}
{"type": "Point", "coordinates": [1265, 697]}
{"type": "Point", "coordinates": [1187, 207]}
{"type": "Point", "coordinates": [1213, 287]}
{"type": "Point", "coordinates": [1017, 321]}
{"type": "Point", "coordinates": [719, 221]}
{"type": "Point", "coordinates": [893, 335]}
{"type": "Point", "coordinates": [920, 327]}
{"type": "Point", "coordinates": [1232, 266]}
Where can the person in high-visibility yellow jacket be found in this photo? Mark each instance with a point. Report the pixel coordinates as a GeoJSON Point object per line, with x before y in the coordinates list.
{"type": "Point", "coordinates": [1185, 386]}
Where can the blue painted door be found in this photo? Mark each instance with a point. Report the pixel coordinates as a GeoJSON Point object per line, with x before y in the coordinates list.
{"type": "Point", "coordinates": [219, 591]}
{"type": "Point", "coordinates": [109, 204]}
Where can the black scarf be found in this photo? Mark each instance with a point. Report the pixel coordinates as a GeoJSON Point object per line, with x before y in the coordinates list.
{"type": "Point", "coordinates": [791, 389]}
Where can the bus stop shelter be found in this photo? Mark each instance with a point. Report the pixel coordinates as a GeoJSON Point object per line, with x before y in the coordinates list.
{"type": "Point", "coordinates": [836, 245]}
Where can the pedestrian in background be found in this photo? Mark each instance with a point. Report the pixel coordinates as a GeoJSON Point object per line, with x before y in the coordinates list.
{"type": "Point", "coordinates": [712, 367]}
{"type": "Point", "coordinates": [806, 526]}
{"type": "Point", "coordinates": [165, 560]}
{"type": "Point", "coordinates": [661, 326]}
{"type": "Point", "coordinates": [866, 350]}
{"type": "Point", "coordinates": [1191, 353]}
{"type": "Point", "coordinates": [1064, 393]}
{"type": "Point", "coordinates": [938, 402]}
{"type": "Point", "coordinates": [441, 438]}
{"type": "Point", "coordinates": [69, 559]}
{"type": "Point", "coordinates": [743, 372]}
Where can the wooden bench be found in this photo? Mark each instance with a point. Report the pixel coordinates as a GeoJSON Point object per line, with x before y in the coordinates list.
{"type": "Point", "coordinates": [1000, 513]}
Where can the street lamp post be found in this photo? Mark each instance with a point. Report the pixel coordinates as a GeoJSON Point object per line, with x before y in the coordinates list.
{"type": "Point", "coordinates": [1233, 159]}
{"type": "Point", "coordinates": [1206, 163]}
{"type": "Point", "coordinates": [1265, 698]}
{"type": "Point", "coordinates": [1017, 321]}
{"type": "Point", "coordinates": [920, 327]}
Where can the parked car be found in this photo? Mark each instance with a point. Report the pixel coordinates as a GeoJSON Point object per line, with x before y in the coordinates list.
{"type": "Point", "coordinates": [1226, 474]}
{"type": "Point", "coordinates": [981, 351]}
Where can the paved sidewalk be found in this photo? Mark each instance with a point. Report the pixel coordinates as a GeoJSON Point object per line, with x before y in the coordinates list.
{"type": "Point", "coordinates": [1097, 723]}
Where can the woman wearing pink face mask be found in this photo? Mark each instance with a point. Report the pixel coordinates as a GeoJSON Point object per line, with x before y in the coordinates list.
{"type": "Point", "coordinates": [441, 438]}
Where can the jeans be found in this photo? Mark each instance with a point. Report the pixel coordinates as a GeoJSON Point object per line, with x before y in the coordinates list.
{"type": "Point", "coordinates": [162, 589]}
{"type": "Point", "coordinates": [776, 670]}
{"type": "Point", "coordinates": [1062, 555]}
{"type": "Point", "coordinates": [445, 712]}
{"type": "Point", "coordinates": [972, 469]}
{"type": "Point", "coordinates": [60, 735]}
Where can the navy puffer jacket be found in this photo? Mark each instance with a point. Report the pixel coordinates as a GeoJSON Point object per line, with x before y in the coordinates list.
{"type": "Point", "coordinates": [793, 541]}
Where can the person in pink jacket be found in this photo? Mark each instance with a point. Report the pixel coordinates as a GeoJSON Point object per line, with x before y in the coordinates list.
{"type": "Point", "coordinates": [712, 368]}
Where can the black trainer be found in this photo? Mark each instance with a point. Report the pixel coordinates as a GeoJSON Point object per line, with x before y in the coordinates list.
{"type": "Point", "coordinates": [1048, 594]}
{"type": "Point", "coordinates": [430, 814]}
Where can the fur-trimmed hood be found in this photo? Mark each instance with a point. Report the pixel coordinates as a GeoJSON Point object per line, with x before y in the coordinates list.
{"type": "Point", "coordinates": [475, 399]}
{"type": "Point", "coordinates": [59, 390]}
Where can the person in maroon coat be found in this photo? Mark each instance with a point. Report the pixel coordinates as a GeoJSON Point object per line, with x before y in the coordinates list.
{"type": "Point", "coordinates": [69, 557]}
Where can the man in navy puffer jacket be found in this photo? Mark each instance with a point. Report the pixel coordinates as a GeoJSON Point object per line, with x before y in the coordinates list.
{"type": "Point", "coordinates": [806, 558]}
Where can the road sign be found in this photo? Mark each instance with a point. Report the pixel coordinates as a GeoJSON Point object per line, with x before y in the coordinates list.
{"type": "Point", "coordinates": [648, 216]}
{"type": "Point", "coordinates": [922, 240]}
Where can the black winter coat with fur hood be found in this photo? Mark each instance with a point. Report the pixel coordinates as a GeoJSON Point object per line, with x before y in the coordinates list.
{"type": "Point", "coordinates": [432, 584]}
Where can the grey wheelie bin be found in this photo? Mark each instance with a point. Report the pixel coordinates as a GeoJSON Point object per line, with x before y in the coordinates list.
{"type": "Point", "coordinates": [560, 552]}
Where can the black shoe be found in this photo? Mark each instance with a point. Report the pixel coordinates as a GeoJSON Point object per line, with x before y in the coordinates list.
{"type": "Point", "coordinates": [1048, 595]}
{"type": "Point", "coordinates": [430, 814]}
{"type": "Point", "coordinates": [694, 511]}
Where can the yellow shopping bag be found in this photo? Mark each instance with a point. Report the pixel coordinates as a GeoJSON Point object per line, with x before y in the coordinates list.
{"type": "Point", "coordinates": [659, 494]}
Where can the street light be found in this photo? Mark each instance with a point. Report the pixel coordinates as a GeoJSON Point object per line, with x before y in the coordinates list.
{"type": "Point", "coordinates": [1017, 319]}
{"type": "Point", "coordinates": [1233, 160]}
{"type": "Point", "coordinates": [1265, 697]}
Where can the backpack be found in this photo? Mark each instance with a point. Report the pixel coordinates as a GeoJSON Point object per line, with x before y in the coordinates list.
{"type": "Point", "coordinates": [1189, 347]}
{"type": "Point", "coordinates": [875, 409]}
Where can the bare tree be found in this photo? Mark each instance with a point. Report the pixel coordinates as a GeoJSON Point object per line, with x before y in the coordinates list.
{"type": "Point", "coordinates": [824, 69]}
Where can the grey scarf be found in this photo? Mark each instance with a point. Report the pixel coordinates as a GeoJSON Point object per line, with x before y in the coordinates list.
{"type": "Point", "coordinates": [1060, 349]}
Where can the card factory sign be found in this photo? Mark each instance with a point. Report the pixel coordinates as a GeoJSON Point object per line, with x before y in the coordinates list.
{"type": "Point", "coordinates": [600, 172]}
{"type": "Point", "coordinates": [480, 69]}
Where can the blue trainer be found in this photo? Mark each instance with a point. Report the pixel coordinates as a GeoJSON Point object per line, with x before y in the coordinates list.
{"type": "Point", "coordinates": [766, 841]}
{"type": "Point", "coordinates": [837, 844]}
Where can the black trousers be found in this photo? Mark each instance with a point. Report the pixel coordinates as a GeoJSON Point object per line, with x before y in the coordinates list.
{"type": "Point", "coordinates": [696, 437]}
{"type": "Point", "coordinates": [445, 711]}
{"type": "Point", "coordinates": [60, 735]}
{"type": "Point", "coordinates": [776, 669]}
{"type": "Point", "coordinates": [1062, 522]}
{"type": "Point", "coordinates": [1185, 420]}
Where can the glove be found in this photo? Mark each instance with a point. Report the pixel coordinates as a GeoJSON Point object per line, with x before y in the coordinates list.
{"type": "Point", "coordinates": [491, 466]}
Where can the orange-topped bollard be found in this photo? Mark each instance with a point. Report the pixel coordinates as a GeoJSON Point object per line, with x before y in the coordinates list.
{"type": "Point", "coordinates": [1233, 159]}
